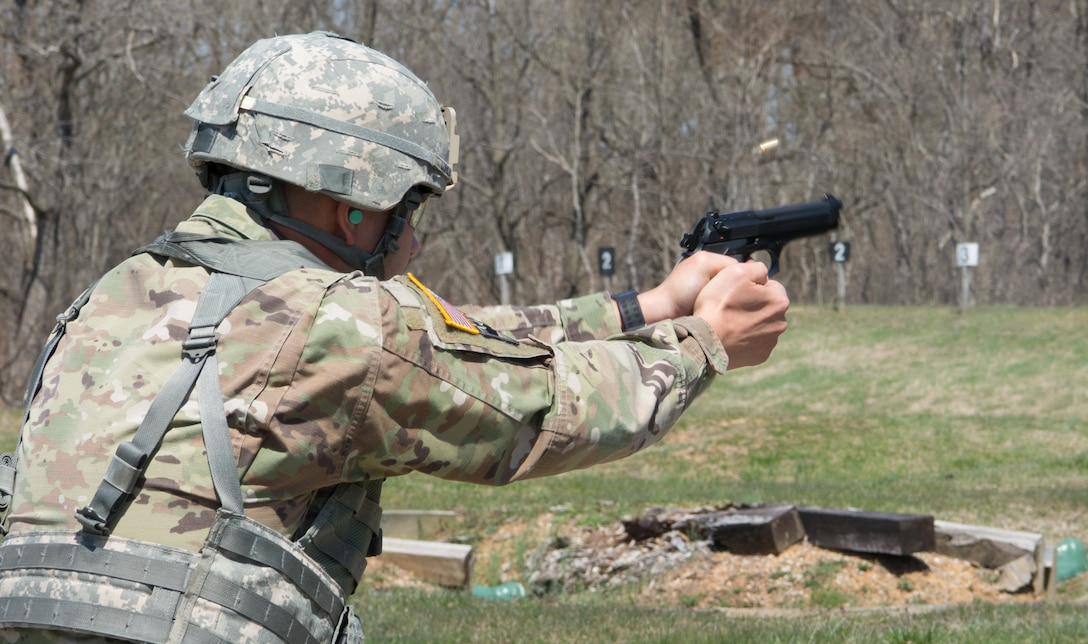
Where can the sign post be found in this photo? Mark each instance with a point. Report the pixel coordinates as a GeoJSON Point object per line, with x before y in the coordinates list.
{"type": "Point", "coordinates": [504, 265]}
{"type": "Point", "coordinates": [840, 254]}
{"type": "Point", "coordinates": [966, 259]}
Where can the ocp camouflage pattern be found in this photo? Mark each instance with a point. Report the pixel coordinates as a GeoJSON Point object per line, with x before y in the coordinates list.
{"type": "Point", "coordinates": [332, 378]}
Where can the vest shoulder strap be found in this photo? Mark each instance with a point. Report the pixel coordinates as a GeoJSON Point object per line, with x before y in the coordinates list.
{"type": "Point", "coordinates": [259, 260]}
{"type": "Point", "coordinates": [199, 369]}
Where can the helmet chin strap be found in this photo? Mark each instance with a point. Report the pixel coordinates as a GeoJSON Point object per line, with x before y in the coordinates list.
{"type": "Point", "coordinates": [264, 196]}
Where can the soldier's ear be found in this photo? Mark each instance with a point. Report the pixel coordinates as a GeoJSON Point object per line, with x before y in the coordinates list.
{"type": "Point", "coordinates": [346, 220]}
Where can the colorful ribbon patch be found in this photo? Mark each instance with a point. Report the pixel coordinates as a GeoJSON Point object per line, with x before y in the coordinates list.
{"type": "Point", "coordinates": [449, 312]}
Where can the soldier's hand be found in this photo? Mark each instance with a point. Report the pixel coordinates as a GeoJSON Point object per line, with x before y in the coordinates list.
{"type": "Point", "coordinates": [746, 309]}
{"type": "Point", "coordinates": [675, 297]}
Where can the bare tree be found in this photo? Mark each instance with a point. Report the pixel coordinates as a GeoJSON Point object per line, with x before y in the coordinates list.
{"type": "Point", "coordinates": [614, 123]}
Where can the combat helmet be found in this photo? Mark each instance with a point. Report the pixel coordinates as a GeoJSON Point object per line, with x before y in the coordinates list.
{"type": "Point", "coordinates": [326, 113]}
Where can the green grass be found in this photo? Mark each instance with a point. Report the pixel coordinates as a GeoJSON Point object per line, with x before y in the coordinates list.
{"type": "Point", "coordinates": [449, 616]}
{"type": "Point", "coordinates": [818, 580]}
{"type": "Point", "coordinates": [894, 409]}
{"type": "Point", "coordinates": [974, 418]}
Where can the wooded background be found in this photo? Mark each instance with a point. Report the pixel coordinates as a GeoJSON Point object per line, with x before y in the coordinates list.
{"type": "Point", "coordinates": [587, 124]}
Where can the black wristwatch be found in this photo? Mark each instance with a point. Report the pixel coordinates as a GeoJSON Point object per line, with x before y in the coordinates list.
{"type": "Point", "coordinates": [630, 312]}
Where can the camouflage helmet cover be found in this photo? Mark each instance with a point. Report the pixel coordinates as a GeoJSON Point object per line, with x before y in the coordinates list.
{"type": "Point", "coordinates": [328, 114]}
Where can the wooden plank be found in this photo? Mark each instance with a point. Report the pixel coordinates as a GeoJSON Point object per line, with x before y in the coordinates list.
{"type": "Point", "coordinates": [995, 548]}
{"type": "Point", "coordinates": [757, 530]}
{"type": "Point", "coordinates": [871, 532]}
{"type": "Point", "coordinates": [988, 547]}
{"type": "Point", "coordinates": [423, 525]}
{"type": "Point", "coordinates": [1050, 573]}
{"type": "Point", "coordinates": [445, 564]}
{"type": "Point", "coordinates": [1017, 575]}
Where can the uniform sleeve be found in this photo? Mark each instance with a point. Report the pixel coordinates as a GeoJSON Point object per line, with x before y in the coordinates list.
{"type": "Point", "coordinates": [485, 408]}
{"type": "Point", "coordinates": [590, 317]}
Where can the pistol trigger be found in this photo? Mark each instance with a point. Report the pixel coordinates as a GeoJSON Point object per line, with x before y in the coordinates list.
{"type": "Point", "coordinates": [774, 250]}
{"type": "Point", "coordinates": [773, 268]}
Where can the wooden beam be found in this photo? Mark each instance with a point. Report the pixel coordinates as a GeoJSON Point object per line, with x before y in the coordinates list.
{"type": "Point", "coordinates": [994, 548]}
{"type": "Point", "coordinates": [871, 532]}
{"type": "Point", "coordinates": [1018, 574]}
{"type": "Point", "coordinates": [759, 530]}
{"type": "Point", "coordinates": [416, 524]}
{"type": "Point", "coordinates": [445, 564]}
{"type": "Point", "coordinates": [988, 547]}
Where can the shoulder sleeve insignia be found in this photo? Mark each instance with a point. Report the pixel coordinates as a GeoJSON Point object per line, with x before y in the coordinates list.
{"type": "Point", "coordinates": [453, 317]}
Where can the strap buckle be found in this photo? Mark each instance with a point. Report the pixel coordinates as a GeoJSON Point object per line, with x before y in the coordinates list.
{"type": "Point", "coordinates": [197, 348]}
{"type": "Point", "coordinates": [92, 521]}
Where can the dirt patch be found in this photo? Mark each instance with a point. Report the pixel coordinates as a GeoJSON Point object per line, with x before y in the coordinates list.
{"type": "Point", "coordinates": [673, 569]}
{"type": "Point", "coordinates": [805, 576]}
{"type": "Point", "coordinates": [677, 571]}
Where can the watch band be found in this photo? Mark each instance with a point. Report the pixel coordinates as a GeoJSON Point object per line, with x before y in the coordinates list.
{"type": "Point", "coordinates": [631, 317]}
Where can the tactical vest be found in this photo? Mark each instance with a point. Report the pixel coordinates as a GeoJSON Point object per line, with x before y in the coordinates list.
{"type": "Point", "coordinates": [248, 582]}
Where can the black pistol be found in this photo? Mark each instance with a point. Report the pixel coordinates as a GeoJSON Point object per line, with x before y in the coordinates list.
{"type": "Point", "coordinates": [740, 234]}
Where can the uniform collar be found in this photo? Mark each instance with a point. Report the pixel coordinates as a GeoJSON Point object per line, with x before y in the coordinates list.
{"type": "Point", "coordinates": [219, 216]}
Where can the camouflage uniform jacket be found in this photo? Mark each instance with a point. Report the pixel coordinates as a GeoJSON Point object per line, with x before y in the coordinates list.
{"type": "Point", "coordinates": [332, 378]}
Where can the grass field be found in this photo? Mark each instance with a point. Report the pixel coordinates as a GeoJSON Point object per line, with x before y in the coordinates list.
{"type": "Point", "coordinates": [977, 418]}
{"type": "Point", "coordinates": [974, 418]}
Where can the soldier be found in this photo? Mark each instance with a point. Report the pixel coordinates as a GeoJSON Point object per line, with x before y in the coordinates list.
{"type": "Point", "coordinates": [210, 424]}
